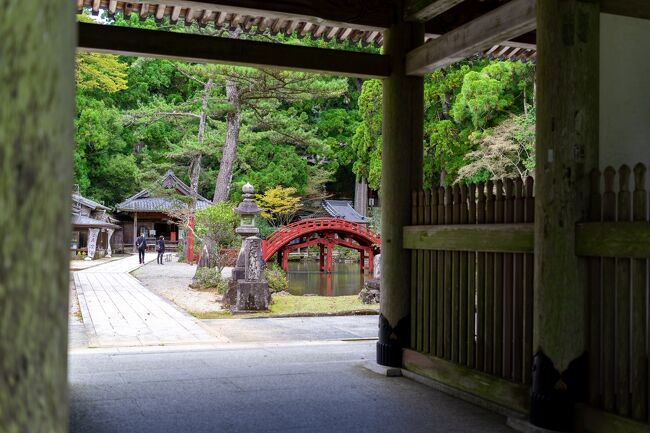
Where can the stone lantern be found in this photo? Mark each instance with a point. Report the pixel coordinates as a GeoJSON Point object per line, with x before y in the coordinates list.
{"type": "Point", "coordinates": [248, 291]}
{"type": "Point", "coordinates": [247, 211]}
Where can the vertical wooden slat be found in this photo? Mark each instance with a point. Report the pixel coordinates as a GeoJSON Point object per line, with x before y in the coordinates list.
{"type": "Point", "coordinates": [471, 286]}
{"type": "Point", "coordinates": [518, 290]}
{"type": "Point", "coordinates": [426, 286]}
{"type": "Point", "coordinates": [433, 333]}
{"type": "Point", "coordinates": [448, 273]}
{"type": "Point", "coordinates": [420, 280]}
{"type": "Point", "coordinates": [414, 221]}
{"type": "Point", "coordinates": [638, 341]}
{"type": "Point", "coordinates": [508, 344]}
{"type": "Point", "coordinates": [440, 282]}
{"type": "Point", "coordinates": [595, 301]}
{"type": "Point", "coordinates": [480, 286]}
{"type": "Point", "coordinates": [462, 296]}
{"type": "Point", "coordinates": [609, 297]}
{"type": "Point", "coordinates": [455, 280]}
{"type": "Point", "coordinates": [623, 303]}
{"type": "Point", "coordinates": [498, 287]}
{"type": "Point", "coordinates": [529, 217]}
{"type": "Point", "coordinates": [489, 286]}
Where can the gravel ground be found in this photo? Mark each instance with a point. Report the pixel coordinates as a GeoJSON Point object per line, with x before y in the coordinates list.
{"type": "Point", "coordinates": [172, 279]}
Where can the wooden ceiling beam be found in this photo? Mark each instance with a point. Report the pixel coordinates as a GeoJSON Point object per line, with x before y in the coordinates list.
{"type": "Point", "coordinates": [508, 21]}
{"type": "Point", "coordinates": [424, 10]}
{"type": "Point", "coordinates": [629, 8]}
{"type": "Point", "coordinates": [207, 49]}
{"type": "Point", "coordinates": [359, 14]}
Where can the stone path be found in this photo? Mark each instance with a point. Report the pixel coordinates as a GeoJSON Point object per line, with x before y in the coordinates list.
{"type": "Point", "coordinates": [119, 311]}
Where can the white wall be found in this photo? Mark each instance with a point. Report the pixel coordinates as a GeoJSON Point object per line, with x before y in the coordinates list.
{"type": "Point", "coordinates": [624, 91]}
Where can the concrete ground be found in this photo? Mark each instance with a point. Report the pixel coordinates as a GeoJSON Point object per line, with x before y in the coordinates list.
{"type": "Point", "coordinates": [295, 328]}
{"type": "Point", "coordinates": [291, 388]}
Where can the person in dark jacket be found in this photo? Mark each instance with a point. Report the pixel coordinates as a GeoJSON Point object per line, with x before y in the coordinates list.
{"type": "Point", "coordinates": [141, 245]}
{"type": "Point", "coordinates": [160, 247]}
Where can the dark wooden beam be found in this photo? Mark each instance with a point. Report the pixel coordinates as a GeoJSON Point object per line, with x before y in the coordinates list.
{"type": "Point", "coordinates": [360, 14]}
{"type": "Point", "coordinates": [512, 19]}
{"type": "Point", "coordinates": [461, 14]}
{"type": "Point", "coordinates": [208, 49]}
{"type": "Point", "coordinates": [629, 8]}
{"type": "Point", "coordinates": [502, 238]}
{"type": "Point", "coordinates": [424, 10]}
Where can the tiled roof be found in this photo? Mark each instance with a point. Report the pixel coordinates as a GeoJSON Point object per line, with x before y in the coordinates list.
{"type": "Point", "coordinates": [225, 19]}
{"type": "Point", "coordinates": [84, 221]}
{"type": "Point", "coordinates": [88, 202]}
{"type": "Point", "coordinates": [147, 201]}
{"type": "Point", "coordinates": [343, 209]}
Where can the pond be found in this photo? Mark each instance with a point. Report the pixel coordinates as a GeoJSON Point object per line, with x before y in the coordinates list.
{"type": "Point", "coordinates": [306, 279]}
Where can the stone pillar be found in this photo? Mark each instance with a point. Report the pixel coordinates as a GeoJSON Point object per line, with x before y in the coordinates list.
{"type": "Point", "coordinates": [402, 132]}
{"type": "Point", "coordinates": [361, 197]}
{"type": "Point", "coordinates": [109, 235]}
{"type": "Point", "coordinates": [37, 46]}
{"type": "Point", "coordinates": [567, 150]}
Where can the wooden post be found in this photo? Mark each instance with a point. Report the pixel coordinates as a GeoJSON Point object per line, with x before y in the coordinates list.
{"type": "Point", "coordinates": [328, 257]}
{"type": "Point", "coordinates": [362, 259]}
{"type": "Point", "coordinates": [402, 135]}
{"type": "Point", "coordinates": [37, 49]}
{"type": "Point", "coordinates": [321, 257]}
{"type": "Point", "coordinates": [371, 260]}
{"type": "Point", "coordinates": [567, 150]}
{"type": "Point", "coordinates": [135, 231]}
{"type": "Point", "coordinates": [285, 259]}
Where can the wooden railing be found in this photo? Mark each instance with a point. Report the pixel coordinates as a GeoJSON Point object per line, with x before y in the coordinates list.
{"type": "Point", "coordinates": [617, 242]}
{"type": "Point", "coordinates": [472, 278]}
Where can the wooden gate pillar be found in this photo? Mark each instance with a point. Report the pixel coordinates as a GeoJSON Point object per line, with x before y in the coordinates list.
{"type": "Point", "coordinates": [402, 135]}
{"type": "Point", "coordinates": [37, 48]}
{"type": "Point", "coordinates": [566, 151]}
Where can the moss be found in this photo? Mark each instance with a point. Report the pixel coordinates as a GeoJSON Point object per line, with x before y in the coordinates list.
{"type": "Point", "coordinates": [284, 305]}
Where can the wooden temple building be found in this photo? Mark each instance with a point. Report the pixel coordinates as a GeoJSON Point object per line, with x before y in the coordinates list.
{"type": "Point", "coordinates": [530, 300]}
{"type": "Point", "coordinates": [151, 211]}
{"type": "Point", "coordinates": [93, 229]}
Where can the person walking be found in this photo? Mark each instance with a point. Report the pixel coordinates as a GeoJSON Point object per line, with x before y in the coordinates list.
{"type": "Point", "coordinates": [141, 245]}
{"type": "Point", "coordinates": [160, 247]}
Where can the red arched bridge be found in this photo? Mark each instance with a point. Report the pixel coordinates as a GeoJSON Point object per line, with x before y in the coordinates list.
{"type": "Point", "coordinates": [325, 232]}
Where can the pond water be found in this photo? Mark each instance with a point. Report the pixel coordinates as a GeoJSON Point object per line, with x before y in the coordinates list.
{"type": "Point", "coordinates": [306, 279]}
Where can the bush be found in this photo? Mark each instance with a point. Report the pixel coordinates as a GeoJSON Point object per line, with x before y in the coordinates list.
{"type": "Point", "coordinates": [209, 278]}
{"type": "Point", "coordinates": [276, 278]}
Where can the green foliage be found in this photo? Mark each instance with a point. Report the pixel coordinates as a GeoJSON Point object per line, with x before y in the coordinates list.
{"type": "Point", "coordinates": [209, 278]}
{"type": "Point", "coordinates": [367, 138]}
{"type": "Point", "coordinates": [216, 224]}
{"type": "Point", "coordinates": [462, 103]}
{"type": "Point", "coordinates": [275, 276]}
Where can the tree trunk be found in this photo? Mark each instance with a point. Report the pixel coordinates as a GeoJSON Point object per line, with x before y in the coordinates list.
{"type": "Point", "coordinates": [229, 152]}
{"type": "Point", "coordinates": [36, 146]}
{"type": "Point", "coordinates": [195, 163]}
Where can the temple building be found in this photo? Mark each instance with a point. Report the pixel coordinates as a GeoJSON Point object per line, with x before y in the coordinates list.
{"type": "Point", "coordinates": [152, 211]}
{"type": "Point", "coordinates": [93, 229]}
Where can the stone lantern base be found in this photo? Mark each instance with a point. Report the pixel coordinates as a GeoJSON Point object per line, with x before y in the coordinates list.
{"type": "Point", "coordinates": [248, 291]}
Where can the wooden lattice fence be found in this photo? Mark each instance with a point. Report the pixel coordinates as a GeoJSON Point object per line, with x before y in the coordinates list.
{"type": "Point", "coordinates": [616, 242]}
{"type": "Point", "coordinates": [472, 268]}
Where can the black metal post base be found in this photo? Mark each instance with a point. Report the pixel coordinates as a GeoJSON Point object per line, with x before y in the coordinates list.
{"type": "Point", "coordinates": [389, 354]}
{"type": "Point", "coordinates": [391, 341]}
{"type": "Point", "coordinates": [554, 394]}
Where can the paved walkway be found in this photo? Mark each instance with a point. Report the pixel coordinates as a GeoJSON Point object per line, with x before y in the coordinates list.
{"type": "Point", "coordinates": [309, 388]}
{"type": "Point", "coordinates": [119, 311]}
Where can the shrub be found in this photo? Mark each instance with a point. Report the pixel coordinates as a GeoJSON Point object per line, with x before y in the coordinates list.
{"type": "Point", "coordinates": [276, 278]}
{"type": "Point", "coordinates": [209, 278]}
